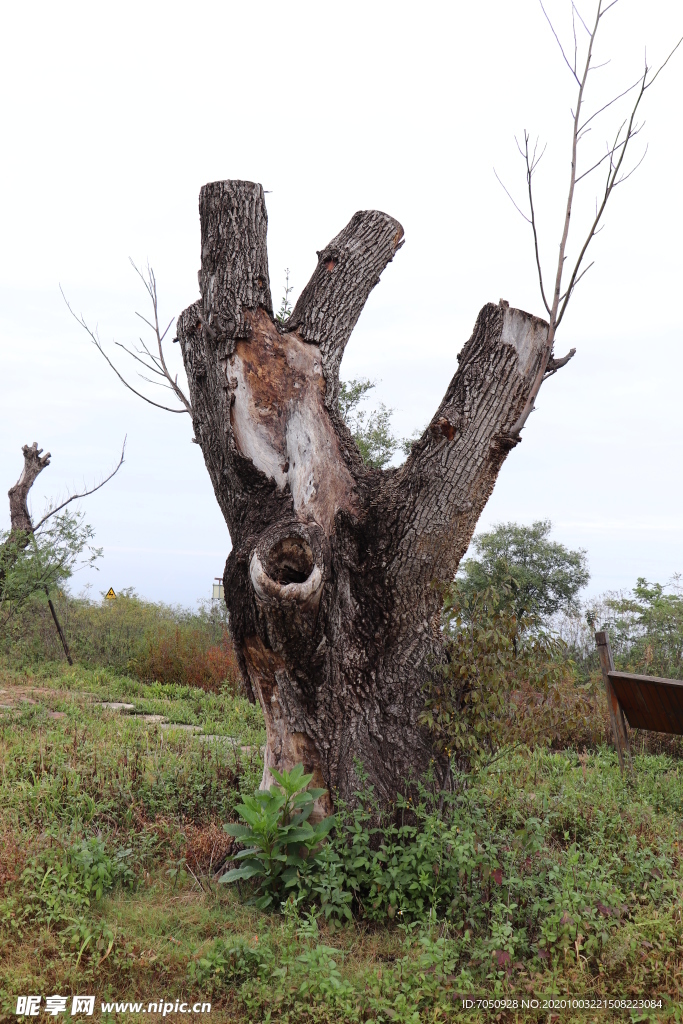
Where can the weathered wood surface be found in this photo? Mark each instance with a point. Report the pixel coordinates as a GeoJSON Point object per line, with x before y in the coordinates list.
{"type": "Point", "coordinates": [329, 582]}
{"type": "Point", "coordinates": [650, 702]}
{"type": "Point", "coordinates": [616, 714]}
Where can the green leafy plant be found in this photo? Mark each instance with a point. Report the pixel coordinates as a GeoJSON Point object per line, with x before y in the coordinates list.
{"type": "Point", "coordinates": [646, 628]}
{"type": "Point", "coordinates": [285, 310]}
{"type": "Point", "coordinates": [59, 884]}
{"type": "Point", "coordinates": [280, 840]}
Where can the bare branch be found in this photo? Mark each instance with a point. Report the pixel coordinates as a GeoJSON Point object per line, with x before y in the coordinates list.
{"type": "Point", "coordinates": [584, 271]}
{"type": "Point", "coordinates": [527, 219]}
{"type": "Point", "coordinates": [98, 345]}
{"type": "Point", "coordinates": [624, 93]}
{"type": "Point", "coordinates": [530, 166]}
{"type": "Point", "coordinates": [661, 68]}
{"type": "Point", "coordinates": [612, 180]}
{"type": "Point", "coordinates": [85, 494]}
{"type": "Point", "coordinates": [139, 360]}
{"type": "Point", "coordinates": [552, 325]}
{"type": "Point", "coordinates": [157, 383]}
{"type": "Point", "coordinates": [552, 27]}
{"type": "Point", "coordinates": [607, 156]}
{"type": "Point", "coordinates": [151, 286]}
{"type": "Point", "coordinates": [155, 359]}
{"type": "Point", "coordinates": [578, 15]}
{"type": "Point", "coordinates": [625, 177]}
{"type": "Point", "coordinates": [158, 363]}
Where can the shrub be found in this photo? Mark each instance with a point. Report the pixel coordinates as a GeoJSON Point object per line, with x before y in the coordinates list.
{"type": "Point", "coordinates": [151, 640]}
{"type": "Point", "coordinates": [498, 677]}
{"type": "Point", "coordinates": [184, 655]}
{"type": "Point", "coordinates": [59, 883]}
{"type": "Point", "coordinates": [281, 842]}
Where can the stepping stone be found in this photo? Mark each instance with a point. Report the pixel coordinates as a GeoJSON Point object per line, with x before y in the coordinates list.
{"type": "Point", "coordinates": [117, 705]}
{"type": "Point", "coordinates": [213, 738]}
{"type": "Point", "coordinates": [177, 725]}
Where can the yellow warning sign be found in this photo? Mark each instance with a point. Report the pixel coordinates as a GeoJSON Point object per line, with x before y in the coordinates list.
{"type": "Point", "coordinates": [110, 595]}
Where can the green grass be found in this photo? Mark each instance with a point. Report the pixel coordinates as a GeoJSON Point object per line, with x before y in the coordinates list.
{"type": "Point", "coordinates": [111, 827]}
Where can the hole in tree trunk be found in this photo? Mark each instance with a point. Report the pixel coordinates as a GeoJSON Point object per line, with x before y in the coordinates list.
{"type": "Point", "coordinates": [290, 560]}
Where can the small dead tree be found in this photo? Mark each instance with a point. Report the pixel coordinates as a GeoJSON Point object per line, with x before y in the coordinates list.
{"type": "Point", "coordinates": [22, 531]}
{"type": "Point", "coordinates": [330, 580]}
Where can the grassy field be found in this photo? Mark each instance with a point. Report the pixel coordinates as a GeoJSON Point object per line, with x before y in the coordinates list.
{"type": "Point", "coordinates": [111, 836]}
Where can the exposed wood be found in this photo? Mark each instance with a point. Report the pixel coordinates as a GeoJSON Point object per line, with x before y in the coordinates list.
{"type": "Point", "coordinates": [619, 732]}
{"type": "Point", "coordinates": [329, 582]}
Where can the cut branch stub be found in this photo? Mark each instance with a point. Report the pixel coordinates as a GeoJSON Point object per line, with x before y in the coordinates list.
{"type": "Point", "coordinates": [234, 271]}
{"type": "Point", "coordinates": [348, 269]}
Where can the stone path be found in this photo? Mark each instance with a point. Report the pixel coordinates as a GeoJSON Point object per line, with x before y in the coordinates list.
{"type": "Point", "coordinates": [22, 695]}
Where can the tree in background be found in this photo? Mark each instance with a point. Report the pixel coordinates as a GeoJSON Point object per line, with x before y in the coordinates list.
{"type": "Point", "coordinates": [49, 558]}
{"type": "Point", "coordinates": [646, 627]}
{"type": "Point", "coordinates": [38, 559]}
{"type": "Point", "coordinates": [371, 428]}
{"type": "Point", "coordinates": [536, 577]}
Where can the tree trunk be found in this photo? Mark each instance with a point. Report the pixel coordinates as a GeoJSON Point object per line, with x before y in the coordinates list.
{"type": "Point", "coordinates": [34, 463]}
{"type": "Point", "coordinates": [329, 583]}
{"type": "Point", "coordinates": [21, 527]}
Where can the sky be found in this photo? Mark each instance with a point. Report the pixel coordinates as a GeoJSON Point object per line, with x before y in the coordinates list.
{"type": "Point", "coordinates": [114, 115]}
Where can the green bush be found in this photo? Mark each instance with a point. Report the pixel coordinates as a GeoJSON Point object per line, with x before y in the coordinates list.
{"type": "Point", "coordinates": [503, 680]}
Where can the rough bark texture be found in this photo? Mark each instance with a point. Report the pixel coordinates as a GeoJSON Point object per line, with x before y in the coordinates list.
{"type": "Point", "coordinates": [34, 463]}
{"type": "Point", "coordinates": [329, 582]}
{"type": "Point", "coordinates": [21, 526]}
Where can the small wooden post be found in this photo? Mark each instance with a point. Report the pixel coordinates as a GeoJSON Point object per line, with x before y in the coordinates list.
{"type": "Point", "coordinates": [615, 711]}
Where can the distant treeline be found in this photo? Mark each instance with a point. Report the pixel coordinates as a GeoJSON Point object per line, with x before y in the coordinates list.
{"type": "Point", "coordinates": [131, 636]}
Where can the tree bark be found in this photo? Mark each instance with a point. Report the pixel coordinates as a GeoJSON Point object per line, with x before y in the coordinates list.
{"type": "Point", "coordinates": [330, 581]}
{"type": "Point", "coordinates": [34, 463]}
{"type": "Point", "coordinates": [21, 525]}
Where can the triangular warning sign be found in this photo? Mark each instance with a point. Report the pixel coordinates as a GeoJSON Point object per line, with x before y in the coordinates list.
{"type": "Point", "coordinates": [110, 595]}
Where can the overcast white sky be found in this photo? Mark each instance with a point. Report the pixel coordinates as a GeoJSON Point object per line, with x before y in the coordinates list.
{"type": "Point", "coordinates": [114, 115]}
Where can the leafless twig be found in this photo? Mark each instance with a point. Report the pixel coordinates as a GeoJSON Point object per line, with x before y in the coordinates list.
{"type": "Point", "coordinates": [153, 363]}
{"type": "Point", "coordinates": [84, 494]}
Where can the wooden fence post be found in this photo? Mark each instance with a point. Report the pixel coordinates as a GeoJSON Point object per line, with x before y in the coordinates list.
{"type": "Point", "coordinates": [616, 714]}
